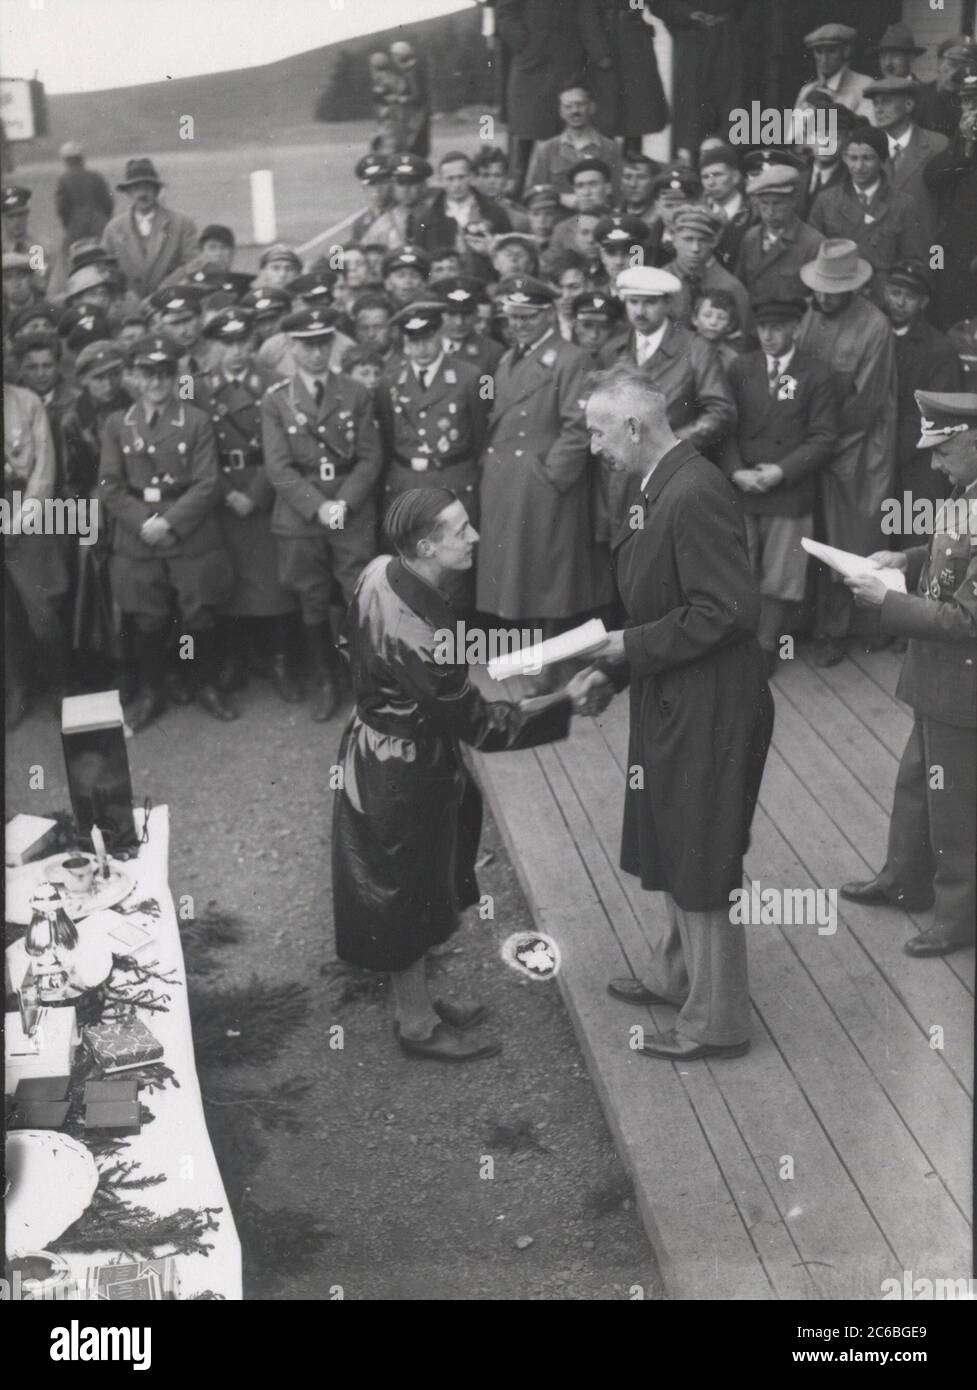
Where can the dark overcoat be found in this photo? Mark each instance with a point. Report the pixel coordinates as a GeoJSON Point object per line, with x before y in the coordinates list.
{"type": "Point", "coordinates": [407, 819]}
{"type": "Point", "coordinates": [630, 96]}
{"type": "Point", "coordinates": [538, 558]}
{"type": "Point", "coordinates": [701, 709]}
{"type": "Point", "coordinates": [546, 46]}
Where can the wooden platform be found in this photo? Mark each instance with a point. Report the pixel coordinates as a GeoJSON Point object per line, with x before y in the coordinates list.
{"type": "Point", "coordinates": [842, 1078]}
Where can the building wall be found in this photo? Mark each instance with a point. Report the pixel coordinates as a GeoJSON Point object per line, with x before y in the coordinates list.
{"type": "Point", "coordinates": [931, 26]}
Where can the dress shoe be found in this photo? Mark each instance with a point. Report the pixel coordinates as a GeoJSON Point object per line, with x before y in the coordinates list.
{"type": "Point", "coordinates": [672, 1047]}
{"type": "Point", "coordinates": [145, 709]}
{"type": "Point", "coordinates": [874, 893]}
{"type": "Point", "coordinates": [325, 700]}
{"type": "Point", "coordinates": [460, 1016]}
{"type": "Point", "coordinates": [210, 699]}
{"type": "Point", "coordinates": [633, 991]}
{"type": "Point", "coordinates": [445, 1046]}
{"type": "Point", "coordinates": [876, 643]}
{"type": "Point", "coordinates": [828, 651]}
{"type": "Point", "coordinates": [931, 943]}
{"type": "Point", "coordinates": [286, 686]}
{"type": "Point", "coordinates": [177, 690]}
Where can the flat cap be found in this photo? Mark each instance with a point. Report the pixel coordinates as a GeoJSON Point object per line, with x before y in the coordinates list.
{"type": "Point", "coordinates": [311, 325]}
{"type": "Point", "coordinates": [39, 309]}
{"type": "Point", "coordinates": [155, 350]}
{"type": "Point", "coordinates": [98, 358]}
{"type": "Point", "coordinates": [773, 178]}
{"type": "Point", "coordinates": [39, 338]}
{"type": "Point", "coordinates": [216, 231]}
{"type": "Point", "coordinates": [693, 218]}
{"type": "Point", "coordinates": [829, 34]}
{"type": "Point", "coordinates": [647, 282]}
{"type": "Point", "coordinates": [591, 165]}
{"type": "Point", "coordinates": [525, 292]}
{"type": "Point", "coordinates": [407, 258]}
{"type": "Point", "coordinates": [899, 38]}
{"type": "Point", "coordinates": [281, 251]}
{"type": "Point", "coordinates": [230, 325]}
{"type": "Point", "coordinates": [944, 414]}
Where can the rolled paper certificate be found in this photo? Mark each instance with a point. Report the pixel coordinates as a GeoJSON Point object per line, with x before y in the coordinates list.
{"type": "Point", "coordinates": [98, 845]}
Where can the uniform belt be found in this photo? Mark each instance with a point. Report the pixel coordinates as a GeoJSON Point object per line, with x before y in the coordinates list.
{"type": "Point", "coordinates": [233, 460]}
{"type": "Point", "coordinates": [340, 468]}
{"type": "Point", "coordinates": [167, 493]}
{"type": "Point", "coordinates": [434, 461]}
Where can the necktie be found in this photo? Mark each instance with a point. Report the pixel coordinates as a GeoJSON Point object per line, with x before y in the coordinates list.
{"type": "Point", "coordinates": [425, 378]}
{"type": "Point", "coordinates": [519, 353]}
{"type": "Point", "coordinates": [894, 155]}
{"type": "Point", "coordinates": [410, 226]}
{"type": "Point", "coordinates": [862, 197]}
{"type": "Point", "coordinates": [153, 417]}
{"type": "Point", "coordinates": [318, 391]}
{"type": "Point", "coordinates": [773, 374]}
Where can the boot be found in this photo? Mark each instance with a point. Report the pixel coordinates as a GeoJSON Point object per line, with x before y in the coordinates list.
{"type": "Point", "coordinates": [323, 660]}
{"type": "Point", "coordinates": [232, 673]}
{"type": "Point", "coordinates": [286, 685]}
{"type": "Point", "coordinates": [209, 696]}
{"type": "Point", "coordinates": [150, 702]}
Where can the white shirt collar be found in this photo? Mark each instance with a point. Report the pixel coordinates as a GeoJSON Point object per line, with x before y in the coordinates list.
{"type": "Point", "coordinates": [732, 204]}
{"type": "Point", "coordinates": [832, 84]}
{"type": "Point", "coordinates": [901, 332]}
{"type": "Point", "coordinates": [869, 192]}
{"type": "Point", "coordinates": [310, 380]}
{"type": "Point", "coordinates": [430, 371]}
{"type": "Point", "coordinates": [782, 362]}
{"type": "Point", "coordinates": [650, 342]}
{"type": "Point", "coordinates": [900, 141]}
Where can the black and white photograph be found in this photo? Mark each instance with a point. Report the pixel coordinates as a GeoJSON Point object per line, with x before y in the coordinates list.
{"type": "Point", "coordinates": [490, 659]}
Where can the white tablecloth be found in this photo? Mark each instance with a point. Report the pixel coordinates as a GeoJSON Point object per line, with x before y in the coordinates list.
{"type": "Point", "coordinates": [176, 1143]}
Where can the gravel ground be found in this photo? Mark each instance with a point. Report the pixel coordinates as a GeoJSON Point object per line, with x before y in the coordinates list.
{"type": "Point", "coordinates": [392, 1154]}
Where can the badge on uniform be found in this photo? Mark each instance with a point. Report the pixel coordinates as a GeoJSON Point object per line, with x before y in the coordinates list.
{"type": "Point", "coordinates": [548, 357]}
{"type": "Point", "coordinates": [450, 376]}
{"type": "Point", "coordinates": [443, 445]}
{"type": "Point", "coordinates": [787, 388]}
{"type": "Point", "coordinates": [420, 463]}
{"type": "Point", "coordinates": [327, 471]}
{"type": "Point", "coordinates": [152, 494]}
{"type": "Point", "coordinates": [302, 419]}
{"type": "Point", "coordinates": [444, 423]}
{"type": "Point", "coordinates": [453, 434]}
{"type": "Point", "coordinates": [138, 444]}
{"type": "Point", "coordinates": [452, 408]}
{"type": "Point", "coordinates": [181, 448]}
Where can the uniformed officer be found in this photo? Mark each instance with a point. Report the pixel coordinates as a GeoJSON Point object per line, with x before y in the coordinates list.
{"type": "Point", "coordinates": [374, 172]}
{"type": "Point", "coordinates": [34, 564]}
{"type": "Point", "coordinates": [259, 608]}
{"type": "Point", "coordinates": [596, 317]}
{"type": "Point", "coordinates": [322, 454]}
{"type": "Point", "coordinates": [462, 294]}
{"type": "Point", "coordinates": [621, 242]}
{"type": "Point", "coordinates": [404, 274]}
{"type": "Point", "coordinates": [15, 205]}
{"type": "Point", "coordinates": [179, 317]}
{"type": "Point", "coordinates": [269, 307]}
{"type": "Point", "coordinates": [432, 413]}
{"type": "Point", "coordinates": [404, 223]}
{"type": "Point", "coordinates": [313, 290]}
{"type": "Point", "coordinates": [159, 482]}
{"type": "Point", "coordinates": [932, 834]}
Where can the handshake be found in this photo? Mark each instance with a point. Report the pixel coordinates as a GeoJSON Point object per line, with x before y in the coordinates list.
{"type": "Point", "coordinates": [590, 691]}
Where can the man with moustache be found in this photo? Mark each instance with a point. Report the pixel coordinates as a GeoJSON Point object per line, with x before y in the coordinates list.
{"type": "Point", "coordinates": [149, 240]}
{"type": "Point", "coordinates": [701, 714]}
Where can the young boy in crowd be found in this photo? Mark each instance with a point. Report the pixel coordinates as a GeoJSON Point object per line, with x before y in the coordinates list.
{"type": "Point", "coordinates": [714, 318]}
{"type": "Point", "coordinates": [364, 365]}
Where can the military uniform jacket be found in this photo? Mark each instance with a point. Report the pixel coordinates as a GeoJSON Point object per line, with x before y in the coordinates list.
{"type": "Point", "coordinates": [168, 470]}
{"type": "Point", "coordinates": [775, 274]}
{"type": "Point", "coordinates": [234, 408]}
{"type": "Point", "coordinates": [437, 427]}
{"type": "Point", "coordinates": [796, 428]}
{"type": "Point", "coordinates": [925, 361]}
{"type": "Point", "coordinates": [319, 454]}
{"type": "Point", "coordinates": [939, 675]}
{"type": "Point", "coordinates": [481, 352]}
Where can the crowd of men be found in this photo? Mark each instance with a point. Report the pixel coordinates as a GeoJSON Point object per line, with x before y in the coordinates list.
{"type": "Point", "coordinates": [244, 434]}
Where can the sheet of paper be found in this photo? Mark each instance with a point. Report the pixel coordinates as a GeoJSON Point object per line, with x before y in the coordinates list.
{"type": "Point", "coordinates": [586, 640]}
{"type": "Point", "coordinates": [849, 564]}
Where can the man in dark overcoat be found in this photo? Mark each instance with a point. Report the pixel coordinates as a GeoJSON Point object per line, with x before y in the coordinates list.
{"type": "Point", "coordinates": [701, 714]}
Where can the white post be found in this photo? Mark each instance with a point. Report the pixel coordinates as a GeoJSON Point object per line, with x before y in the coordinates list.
{"type": "Point", "coordinates": [263, 207]}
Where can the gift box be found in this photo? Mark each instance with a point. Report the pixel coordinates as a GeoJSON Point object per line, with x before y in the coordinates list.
{"type": "Point", "coordinates": [120, 1043]}
{"type": "Point", "coordinates": [42, 1088]}
{"type": "Point", "coordinates": [126, 1088]}
{"type": "Point", "coordinates": [119, 1116]}
{"type": "Point", "coordinates": [40, 1114]}
{"type": "Point", "coordinates": [149, 1279]}
{"type": "Point", "coordinates": [49, 1051]}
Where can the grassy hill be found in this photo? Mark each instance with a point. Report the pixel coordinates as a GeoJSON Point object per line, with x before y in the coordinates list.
{"type": "Point", "coordinates": [248, 106]}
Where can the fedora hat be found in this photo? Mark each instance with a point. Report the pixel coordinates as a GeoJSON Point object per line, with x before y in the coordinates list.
{"type": "Point", "coordinates": [140, 170]}
{"type": "Point", "coordinates": [900, 38]}
{"type": "Point", "coordinates": [837, 268]}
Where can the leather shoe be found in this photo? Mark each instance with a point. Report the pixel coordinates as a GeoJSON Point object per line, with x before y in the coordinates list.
{"type": "Point", "coordinates": [231, 676]}
{"type": "Point", "coordinates": [286, 686]}
{"type": "Point", "coordinates": [325, 700]}
{"type": "Point", "coordinates": [877, 642]}
{"type": "Point", "coordinates": [210, 699]}
{"type": "Point", "coordinates": [874, 893]}
{"type": "Point", "coordinates": [445, 1046]}
{"type": "Point", "coordinates": [633, 991]}
{"type": "Point", "coordinates": [177, 690]}
{"type": "Point", "coordinates": [459, 1016]}
{"type": "Point", "coordinates": [931, 943]}
{"type": "Point", "coordinates": [145, 709]}
{"type": "Point", "coordinates": [828, 652]}
{"type": "Point", "coordinates": [674, 1048]}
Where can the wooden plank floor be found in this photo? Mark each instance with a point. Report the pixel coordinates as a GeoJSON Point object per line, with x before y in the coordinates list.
{"type": "Point", "coordinates": [846, 1086]}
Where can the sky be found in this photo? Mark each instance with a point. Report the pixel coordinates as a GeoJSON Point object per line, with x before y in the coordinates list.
{"type": "Point", "coordinates": [86, 45]}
